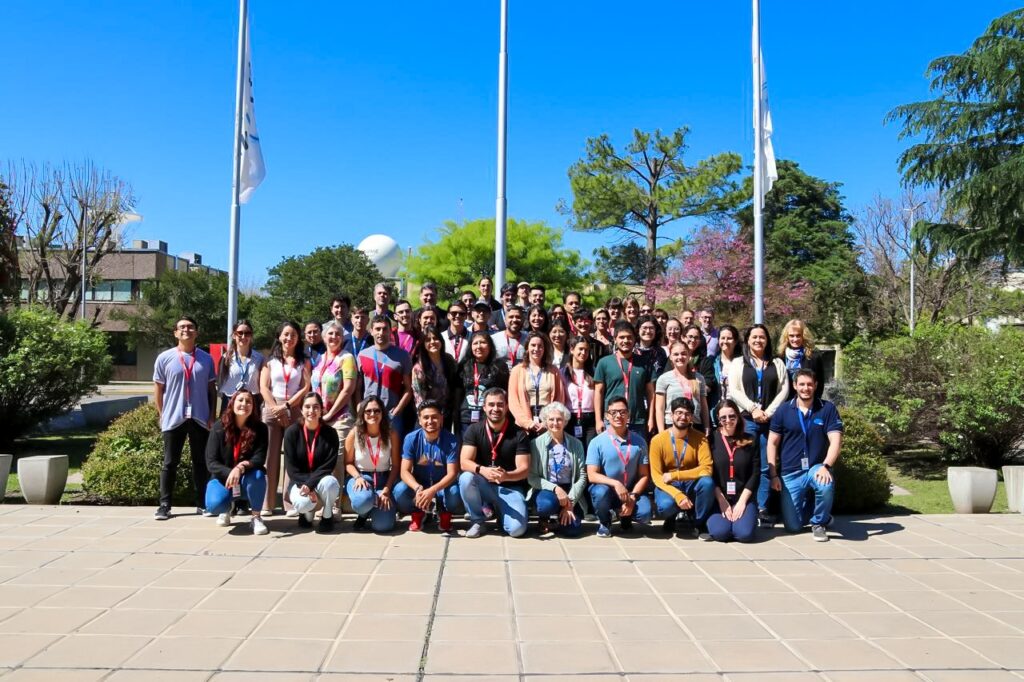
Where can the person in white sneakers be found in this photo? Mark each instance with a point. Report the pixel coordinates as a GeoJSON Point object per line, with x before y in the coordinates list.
{"type": "Point", "coordinates": [310, 454]}
{"type": "Point", "coordinates": [236, 453]}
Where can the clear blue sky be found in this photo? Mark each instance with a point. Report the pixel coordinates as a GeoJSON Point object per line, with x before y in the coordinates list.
{"type": "Point", "coordinates": [380, 117]}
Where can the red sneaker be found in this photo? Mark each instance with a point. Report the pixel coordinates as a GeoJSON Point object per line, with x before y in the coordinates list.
{"type": "Point", "coordinates": [445, 523]}
{"type": "Point", "coordinates": [417, 521]}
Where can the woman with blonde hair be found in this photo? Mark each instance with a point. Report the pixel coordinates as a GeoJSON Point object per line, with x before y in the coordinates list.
{"type": "Point", "coordinates": [796, 349]}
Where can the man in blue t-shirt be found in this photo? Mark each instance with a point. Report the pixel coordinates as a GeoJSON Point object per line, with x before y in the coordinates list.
{"type": "Point", "coordinates": [430, 471]}
{"type": "Point", "coordinates": [618, 470]}
{"type": "Point", "coordinates": [808, 433]}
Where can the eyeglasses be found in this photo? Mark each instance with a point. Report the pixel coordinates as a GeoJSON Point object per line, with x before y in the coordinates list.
{"type": "Point", "coordinates": [371, 410]}
{"type": "Point", "coordinates": [726, 417]}
{"type": "Point", "coordinates": [691, 337]}
{"type": "Point", "coordinates": [457, 313]}
{"type": "Point", "coordinates": [617, 413]}
{"type": "Point", "coordinates": [243, 334]}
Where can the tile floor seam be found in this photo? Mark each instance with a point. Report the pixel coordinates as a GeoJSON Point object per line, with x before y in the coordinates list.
{"type": "Point", "coordinates": [506, 563]}
{"type": "Point", "coordinates": [424, 652]}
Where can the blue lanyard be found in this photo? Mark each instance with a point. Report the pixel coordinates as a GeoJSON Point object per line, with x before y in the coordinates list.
{"type": "Point", "coordinates": [536, 379]}
{"type": "Point", "coordinates": [760, 380]}
{"type": "Point", "coordinates": [362, 344]}
{"type": "Point", "coordinates": [803, 427]}
{"type": "Point", "coordinates": [555, 469]}
{"type": "Point", "coordinates": [246, 368]}
{"type": "Point", "coordinates": [679, 461]}
{"type": "Point", "coordinates": [378, 369]}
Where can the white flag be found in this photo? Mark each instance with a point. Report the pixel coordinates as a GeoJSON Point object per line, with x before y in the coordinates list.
{"type": "Point", "coordinates": [769, 173]}
{"type": "Point", "coordinates": [253, 170]}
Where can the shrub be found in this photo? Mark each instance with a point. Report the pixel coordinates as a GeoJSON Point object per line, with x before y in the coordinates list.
{"type": "Point", "coordinates": [46, 366]}
{"type": "Point", "coordinates": [124, 466]}
{"type": "Point", "coordinates": [862, 480]}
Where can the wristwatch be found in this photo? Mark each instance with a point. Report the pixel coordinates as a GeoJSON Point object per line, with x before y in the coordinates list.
{"type": "Point", "coordinates": [634, 496]}
{"type": "Point", "coordinates": [828, 466]}
{"type": "Point", "coordinates": [478, 468]}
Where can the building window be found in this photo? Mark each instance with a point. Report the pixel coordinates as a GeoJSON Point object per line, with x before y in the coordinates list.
{"type": "Point", "coordinates": [115, 290]}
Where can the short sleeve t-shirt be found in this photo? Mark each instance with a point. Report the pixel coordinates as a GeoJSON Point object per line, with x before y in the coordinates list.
{"type": "Point", "coordinates": [430, 460]}
{"type": "Point", "coordinates": [186, 379]}
{"type": "Point", "coordinates": [618, 458]}
{"type": "Point", "coordinates": [330, 377]}
{"type": "Point", "coordinates": [511, 350]}
{"type": "Point", "coordinates": [669, 386]}
{"type": "Point", "coordinates": [611, 371]}
{"type": "Point", "coordinates": [804, 433]}
{"type": "Point", "coordinates": [384, 373]}
{"type": "Point", "coordinates": [513, 442]}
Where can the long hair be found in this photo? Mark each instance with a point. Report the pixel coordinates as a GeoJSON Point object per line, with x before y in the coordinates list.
{"type": "Point", "coordinates": [385, 423]}
{"type": "Point", "coordinates": [427, 364]}
{"type": "Point", "coordinates": [245, 435]}
{"type": "Point", "coordinates": [740, 434]}
{"type": "Point", "coordinates": [568, 372]}
{"type": "Point", "coordinates": [747, 357]}
{"type": "Point", "coordinates": [737, 351]}
{"type": "Point", "coordinates": [689, 366]}
{"type": "Point", "coordinates": [545, 359]}
{"type": "Point", "coordinates": [544, 314]}
{"type": "Point", "coordinates": [277, 351]}
{"type": "Point", "coordinates": [643, 319]}
{"type": "Point", "coordinates": [701, 351]}
{"type": "Point", "coordinates": [805, 334]}
{"type": "Point", "coordinates": [229, 355]}
{"type": "Point", "coordinates": [492, 371]}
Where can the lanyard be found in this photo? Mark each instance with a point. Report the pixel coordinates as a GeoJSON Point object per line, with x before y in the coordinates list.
{"type": "Point", "coordinates": [626, 371]}
{"type": "Point", "coordinates": [378, 369]}
{"type": "Point", "coordinates": [623, 458]}
{"type": "Point", "coordinates": [457, 343]}
{"type": "Point", "coordinates": [374, 459]}
{"type": "Point", "coordinates": [362, 344]}
{"type": "Point", "coordinates": [556, 464]}
{"type": "Point", "coordinates": [536, 381]}
{"type": "Point", "coordinates": [324, 366]}
{"type": "Point", "coordinates": [238, 449]}
{"type": "Point", "coordinates": [803, 427]}
{"type": "Point", "coordinates": [512, 353]}
{"type": "Point", "coordinates": [495, 443]}
{"type": "Point", "coordinates": [287, 377]}
{"type": "Point", "coordinates": [684, 384]}
{"type": "Point", "coordinates": [246, 368]}
{"type": "Point", "coordinates": [188, 375]}
{"type": "Point", "coordinates": [760, 378]}
{"type": "Point", "coordinates": [679, 460]}
{"type": "Point", "coordinates": [310, 448]}
{"type": "Point", "coordinates": [580, 378]}
{"type": "Point", "coordinates": [476, 383]}
{"type": "Point", "coordinates": [732, 453]}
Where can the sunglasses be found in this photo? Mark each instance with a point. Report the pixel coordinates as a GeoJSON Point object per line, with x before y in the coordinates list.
{"type": "Point", "coordinates": [371, 410]}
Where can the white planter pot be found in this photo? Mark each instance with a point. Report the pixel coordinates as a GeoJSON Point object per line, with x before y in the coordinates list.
{"type": "Point", "coordinates": [973, 489]}
{"type": "Point", "coordinates": [5, 471]}
{"type": "Point", "coordinates": [1013, 479]}
{"type": "Point", "coordinates": [43, 478]}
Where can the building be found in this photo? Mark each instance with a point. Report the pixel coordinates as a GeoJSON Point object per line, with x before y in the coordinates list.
{"type": "Point", "coordinates": [117, 284]}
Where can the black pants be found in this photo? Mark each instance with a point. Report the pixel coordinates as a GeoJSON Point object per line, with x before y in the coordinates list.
{"type": "Point", "coordinates": [174, 443]}
{"type": "Point", "coordinates": [589, 428]}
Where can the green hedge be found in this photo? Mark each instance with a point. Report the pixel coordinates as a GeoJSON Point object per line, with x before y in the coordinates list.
{"type": "Point", "coordinates": [862, 479]}
{"type": "Point", "coordinates": [124, 465]}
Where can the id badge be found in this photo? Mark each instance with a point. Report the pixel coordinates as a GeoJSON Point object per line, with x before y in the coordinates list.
{"type": "Point", "coordinates": [236, 491]}
{"type": "Point", "coordinates": [188, 412]}
{"type": "Point", "coordinates": [474, 416]}
{"type": "Point", "coordinates": [730, 488]}
{"type": "Point", "coordinates": [805, 463]}
{"type": "Point", "coordinates": [240, 385]}
{"type": "Point", "coordinates": [577, 431]}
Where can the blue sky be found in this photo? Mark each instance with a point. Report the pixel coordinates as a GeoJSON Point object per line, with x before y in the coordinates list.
{"type": "Point", "coordinates": [381, 118]}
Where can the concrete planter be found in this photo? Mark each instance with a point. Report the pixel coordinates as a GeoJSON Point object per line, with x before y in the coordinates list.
{"type": "Point", "coordinates": [1013, 479]}
{"type": "Point", "coordinates": [5, 471]}
{"type": "Point", "coordinates": [973, 489]}
{"type": "Point", "coordinates": [43, 478]}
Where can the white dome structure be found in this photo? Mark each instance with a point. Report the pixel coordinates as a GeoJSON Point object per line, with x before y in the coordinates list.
{"type": "Point", "coordinates": [384, 252]}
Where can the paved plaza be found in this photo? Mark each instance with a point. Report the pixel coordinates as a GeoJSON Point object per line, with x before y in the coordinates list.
{"type": "Point", "coordinates": [106, 593]}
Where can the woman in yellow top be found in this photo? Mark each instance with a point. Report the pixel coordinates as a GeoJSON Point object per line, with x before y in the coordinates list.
{"type": "Point", "coordinates": [533, 384]}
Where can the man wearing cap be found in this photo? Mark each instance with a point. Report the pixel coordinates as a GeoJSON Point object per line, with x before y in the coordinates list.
{"type": "Point", "coordinates": [481, 316]}
{"type": "Point", "coordinates": [456, 341]}
{"type": "Point", "coordinates": [523, 295]}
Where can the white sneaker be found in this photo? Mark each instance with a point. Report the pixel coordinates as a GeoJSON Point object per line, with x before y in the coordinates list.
{"type": "Point", "coordinates": [258, 527]}
{"type": "Point", "coordinates": [292, 513]}
{"type": "Point", "coordinates": [224, 519]}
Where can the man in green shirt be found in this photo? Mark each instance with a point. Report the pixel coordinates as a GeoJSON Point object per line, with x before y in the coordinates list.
{"type": "Point", "coordinates": [619, 375]}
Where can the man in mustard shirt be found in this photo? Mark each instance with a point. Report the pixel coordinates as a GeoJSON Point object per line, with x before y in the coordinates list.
{"type": "Point", "coordinates": [681, 470]}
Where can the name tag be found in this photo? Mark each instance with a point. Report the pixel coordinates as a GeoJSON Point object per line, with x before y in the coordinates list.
{"type": "Point", "coordinates": [730, 488]}
{"type": "Point", "coordinates": [240, 385]}
{"type": "Point", "coordinates": [577, 431]}
{"type": "Point", "coordinates": [474, 416]}
{"type": "Point", "coordinates": [188, 412]}
{"type": "Point", "coordinates": [236, 490]}
{"type": "Point", "coordinates": [805, 463]}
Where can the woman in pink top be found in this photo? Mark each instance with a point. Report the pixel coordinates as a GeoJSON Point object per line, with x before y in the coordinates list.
{"type": "Point", "coordinates": [579, 388]}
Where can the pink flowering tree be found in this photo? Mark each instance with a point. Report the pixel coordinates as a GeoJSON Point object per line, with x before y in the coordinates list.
{"type": "Point", "coordinates": [716, 269]}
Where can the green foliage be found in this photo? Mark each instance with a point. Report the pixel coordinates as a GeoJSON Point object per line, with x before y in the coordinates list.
{"type": "Point", "coordinates": [862, 479]}
{"type": "Point", "coordinates": [973, 146]}
{"type": "Point", "coordinates": [9, 280]}
{"type": "Point", "coordinates": [300, 288]}
{"type": "Point", "coordinates": [628, 264]}
{"type": "Point", "coordinates": [124, 466]}
{"type": "Point", "coordinates": [46, 366]}
{"type": "Point", "coordinates": [465, 252]}
{"type": "Point", "coordinates": [647, 186]}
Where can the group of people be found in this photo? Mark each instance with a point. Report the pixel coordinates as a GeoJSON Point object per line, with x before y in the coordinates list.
{"type": "Point", "coordinates": [506, 409]}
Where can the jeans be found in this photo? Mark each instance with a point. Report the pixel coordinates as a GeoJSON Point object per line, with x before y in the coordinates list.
{"type": "Point", "coordinates": [327, 491]}
{"type": "Point", "coordinates": [364, 501]}
{"type": "Point", "coordinates": [796, 512]}
{"type": "Point", "coordinates": [723, 530]}
{"type": "Point", "coordinates": [254, 489]}
{"type": "Point", "coordinates": [759, 432]}
{"type": "Point", "coordinates": [605, 500]}
{"type": "Point", "coordinates": [174, 443]}
{"type": "Point", "coordinates": [547, 506]}
{"type": "Point", "coordinates": [448, 500]}
{"type": "Point", "coordinates": [700, 491]}
{"type": "Point", "coordinates": [508, 502]}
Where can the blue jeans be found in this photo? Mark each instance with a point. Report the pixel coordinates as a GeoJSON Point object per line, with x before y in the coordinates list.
{"type": "Point", "coordinates": [448, 500]}
{"type": "Point", "coordinates": [723, 530]}
{"type": "Point", "coordinates": [759, 432]}
{"type": "Point", "coordinates": [508, 502]}
{"type": "Point", "coordinates": [364, 499]}
{"type": "Point", "coordinates": [795, 510]}
{"type": "Point", "coordinates": [327, 491]}
{"type": "Point", "coordinates": [605, 500]}
{"type": "Point", "coordinates": [701, 492]}
{"type": "Point", "coordinates": [254, 489]}
{"type": "Point", "coordinates": [547, 506]}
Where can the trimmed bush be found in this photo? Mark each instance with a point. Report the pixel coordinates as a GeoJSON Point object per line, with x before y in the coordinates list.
{"type": "Point", "coordinates": [862, 480]}
{"type": "Point", "coordinates": [124, 466]}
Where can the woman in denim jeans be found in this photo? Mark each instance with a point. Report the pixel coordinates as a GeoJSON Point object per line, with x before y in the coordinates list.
{"type": "Point", "coordinates": [372, 462]}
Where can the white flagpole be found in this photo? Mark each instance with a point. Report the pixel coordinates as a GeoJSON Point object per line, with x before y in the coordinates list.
{"type": "Point", "coordinates": [758, 162]}
{"type": "Point", "coordinates": [243, 14]}
{"type": "Point", "coordinates": [501, 203]}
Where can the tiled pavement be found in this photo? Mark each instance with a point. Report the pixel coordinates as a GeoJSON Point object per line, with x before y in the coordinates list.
{"type": "Point", "coordinates": [101, 593]}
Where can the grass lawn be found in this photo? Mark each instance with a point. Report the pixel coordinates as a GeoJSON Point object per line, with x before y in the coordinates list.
{"type": "Point", "coordinates": [75, 444]}
{"type": "Point", "coordinates": [922, 472]}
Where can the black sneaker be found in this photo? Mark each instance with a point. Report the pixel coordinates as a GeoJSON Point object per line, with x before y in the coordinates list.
{"type": "Point", "coordinates": [162, 513]}
{"type": "Point", "coordinates": [360, 523]}
{"type": "Point", "coordinates": [669, 527]}
{"type": "Point", "coordinates": [627, 523]}
{"type": "Point", "coordinates": [326, 524]}
{"type": "Point", "coordinates": [765, 520]}
{"type": "Point", "coordinates": [304, 521]}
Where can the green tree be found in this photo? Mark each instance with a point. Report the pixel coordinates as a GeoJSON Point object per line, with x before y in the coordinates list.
{"type": "Point", "coordinates": [464, 253]}
{"type": "Point", "coordinates": [627, 263]}
{"type": "Point", "coordinates": [46, 366]}
{"type": "Point", "coordinates": [647, 186]}
{"type": "Point", "coordinates": [809, 237]}
{"type": "Point", "coordinates": [973, 146]}
{"type": "Point", "coordinates": [300, 288]}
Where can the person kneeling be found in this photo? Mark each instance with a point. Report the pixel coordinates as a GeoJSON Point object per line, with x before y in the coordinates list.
{"type": "Point", "coordinates": [618, 470]}
{"type": "Point", "coordinates": [371, 462]}
{"type": "Point", "coordinates": [558, 477]}
{"type": "Point", "coordinates": [310, 454]}
{"type": "Point", "coordinates": [737, 473]}
{"type": "Point", "coordinates": [809, 433]}
{"type": "Point", "coordinates": [495, 461]}
{"type": "Point", "coordinates": [430, 469]}
{"type": "Point", "coordinates": [681, 469]}
{"type": "Point", "coordinates": [236, 452]}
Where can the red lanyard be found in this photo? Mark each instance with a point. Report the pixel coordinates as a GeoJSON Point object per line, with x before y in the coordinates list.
{"type": "Point", "coordinates": [287, 377]}
{"type": "Point", "coordinates": [684, 384]}
{"type": "Point", "coordinates": [457, 342]}
{"type": "Point", "coordinates": [623, 458]}
{"type": "Point", "coordinates": [238, 449]}
{"type": "Point", "coordinates": [476, 385]}
{"type": "Point", "coordinates": [580, 378]}
{"type": "Point", "coordinates": [731, 452]}
{"type": "Point", "coordinates": [511, 352]}
{"type": "Point", "coordinates": [188, 375]}
{"type": "Point", "coordinates": [625, 377]}
{"type": "Point", "coordinates": [369, 448]}
{"type": "Point", "coordinates": [310, 448]}
{"type": "Point", "coordinates": [324, 368]}
{"type": "Point", "coordinates": [495, 444]}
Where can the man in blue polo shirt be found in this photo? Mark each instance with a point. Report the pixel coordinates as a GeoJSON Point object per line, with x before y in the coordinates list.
{"type": "Point", "coordinates": [430, 471]}
{"type": "Point", "coordinates": [618, 470]}
{"type": "Point", "coordinates": [809, 433]}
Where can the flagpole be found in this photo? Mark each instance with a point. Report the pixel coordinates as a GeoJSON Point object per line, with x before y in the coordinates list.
{"type": "Point", "coordinates": [243, 14]}
{"type": "Point", "coordinates": [758, 170]}
{"type": "Point", "coordinates": [501, 203]}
